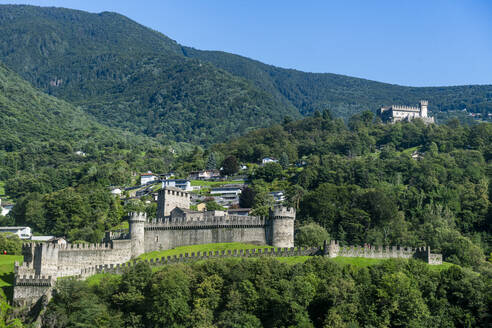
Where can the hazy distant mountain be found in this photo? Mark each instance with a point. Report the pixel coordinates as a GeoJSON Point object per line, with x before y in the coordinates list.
{"type": "Point", "coordinates": [132, 77]}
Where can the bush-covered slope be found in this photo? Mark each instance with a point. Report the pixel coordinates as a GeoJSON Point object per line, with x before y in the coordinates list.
{"type": "Point", "coordinates": [31, 117]}
{"type": "Point", "coordinates": [57, 162]}
{"type": "Point", "coordinates": [265, 293]}
{"type": "Point", "coordinates": [344, 95]}
{"type": "Point", "coordinates": [130, 76]}
{"type": "Point", "coordinates": [51, 143]}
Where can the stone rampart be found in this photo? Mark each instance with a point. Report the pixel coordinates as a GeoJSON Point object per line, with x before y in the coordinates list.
{"type": "Point", "coordinates": [333, 249]}
{"type": "Point", "coordinates": [206, 221]}
{"type": "Point", "coordinates": [170, 232]}
{"type": "Point", "coordinates": [199, 256]}
{"type": "Point", "coordinates": [161, 238]}
{"type": "Point", "coordinates": [81, 261]}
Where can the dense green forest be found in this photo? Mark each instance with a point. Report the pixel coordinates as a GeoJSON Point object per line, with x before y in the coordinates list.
{"type": "Point", "coordinates": [129, 76]}
{"type": "Point", "coordinates": [57, 163]}
{"type": "Point", "coordinates": [366, 182]}
{"type": "Point", "coordinates": [266, 293]}
{"type": "Point", "coordinates": [137, 79]}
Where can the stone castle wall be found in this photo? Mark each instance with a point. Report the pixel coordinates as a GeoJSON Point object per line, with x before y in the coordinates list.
{"type": "Point", "coordinates": [45, 262]}
{"type": "Point", "coordinates": [83, 261]}
{"type": "Point", "coordinates": [168, 233]}
{"type": "Point", "coordinates": [160, 239]}
{"type": "Point", "coordinates": [333, 249]}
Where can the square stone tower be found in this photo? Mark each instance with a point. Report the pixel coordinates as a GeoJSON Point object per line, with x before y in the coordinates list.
{"type": "Point", "coordinates": [423, 108]}
{"type": "Point", "coordinates": [169, 198]}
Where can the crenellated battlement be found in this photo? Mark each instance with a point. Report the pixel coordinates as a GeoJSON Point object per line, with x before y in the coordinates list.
{"type": "Point", "coordinates": [32, 280]}
{"type": "Point", "coordinates": [282, 212]}
{"type": "Point", "coordinates": [207, 222]}
{"type": "Point", "coordinates": [138, 216]}
{"type": "Point", "coordinates": [333, 249]}
{"type": "Point", "coordinates": [50, 247]}
{"type": "Point", "coordinates": [405, 108]}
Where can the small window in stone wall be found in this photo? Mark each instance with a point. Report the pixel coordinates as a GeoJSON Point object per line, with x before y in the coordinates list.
{"type": "Point", "coordinates": [156, 239]}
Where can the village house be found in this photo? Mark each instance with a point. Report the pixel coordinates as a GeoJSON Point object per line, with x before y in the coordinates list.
{"type": "Point", "coordinates": [228, 195]}
{"type": "Point", "coordinates": [147, 177]}
{"type": "Point", "coordinates": [278, 196]}
{"type": "Point", "coordinates": [177, 183]}
{"type": "Point", "coordinates": [204, 175]}
{"type": "Point", "coordinates": [22, 232]}
{"type": "Point", "coordinates": [267, 160]}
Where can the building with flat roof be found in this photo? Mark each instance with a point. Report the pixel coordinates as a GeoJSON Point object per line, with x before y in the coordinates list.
{"type": "Point", "coordinates": [147, 177]}
{"type": "Point", "coordinates": [22, 232]}
{"type": "Point", "coordinates": [177, 183]}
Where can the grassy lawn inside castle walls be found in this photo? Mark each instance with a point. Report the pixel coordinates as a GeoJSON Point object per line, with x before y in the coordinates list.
{"type": "Point", "coordinates": [199, 248]}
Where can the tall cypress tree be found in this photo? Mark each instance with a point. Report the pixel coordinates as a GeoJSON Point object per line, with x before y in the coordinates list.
{"type": "Point", "coordinates": [211, 162]}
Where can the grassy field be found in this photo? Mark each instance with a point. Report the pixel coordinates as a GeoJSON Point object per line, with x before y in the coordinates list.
{"type": "Point", "coordinates": [198, 248]}
{"type": "Point", "coordinates": [355, 261]}
{"type": "Point", "coordinates": [408, 151]}
{"type": "Point", "coordinates": [212, 184]}
{"type": "Point", "coordinates": [7, 272]}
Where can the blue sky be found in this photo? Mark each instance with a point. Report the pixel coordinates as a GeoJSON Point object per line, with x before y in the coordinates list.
{"type": "Point", "coordinates": [418, 43]}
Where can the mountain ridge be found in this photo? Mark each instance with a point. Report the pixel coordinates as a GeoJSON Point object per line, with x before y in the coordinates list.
{"type": "Point", "coordinates": [134, 78]}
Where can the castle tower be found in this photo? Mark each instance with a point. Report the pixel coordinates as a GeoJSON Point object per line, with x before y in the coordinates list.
{"type": "Point", "coordinates": [423, 108]}
{"type": "Point", "coordinates": [282, 226]}
{"type": "Point", "coordinates": [169, 198]}
{"type": "Point", "coordinates": [137, 233]}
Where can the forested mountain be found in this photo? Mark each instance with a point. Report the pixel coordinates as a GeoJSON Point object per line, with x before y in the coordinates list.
{"type": "Point", "coordinates": [30, 117]}
{"type": "Point", "coordinates": [57, 162]}
{"type": "Point", "coordinates": [132, 77]}
{"type": "Point", "coordinates": [343, 95]}
{"type": "Point", "coordinates": [129, 76]}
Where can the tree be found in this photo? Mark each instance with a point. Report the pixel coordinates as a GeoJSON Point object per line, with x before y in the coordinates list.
{"type": "Point", "coordinates": [10, 243]}
{"type": "Point", "coordinates": [327, 115]}
{"type": "Point", "coordinates": [284, 160]}
{"type": "Point", "coordinates": [269, 172]}
{"type": "Point", "coordinates": [247, 198]}
{"type": "Point", "coordinates": [294, 195]}
{"type": "Point", "coordinates": [263, 200]}
{"type": "Point", "coordinates": [311, 235]}
{"type": "Point", "coordinates": [213, 206]}
{"type": "Point", "coordinates": [230, 165]}
{"type": "Point", "coordinates": [211, 162]}
{"type": "Point", "coordinates": [169, 297]}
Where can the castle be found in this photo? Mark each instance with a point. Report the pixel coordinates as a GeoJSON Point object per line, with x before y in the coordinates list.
{"type": "Point", "coordinates": [174, 226]}
{"type": "Point", "coordinates": [396, 113]}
